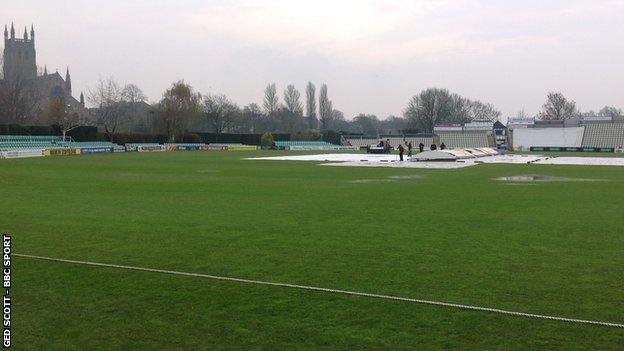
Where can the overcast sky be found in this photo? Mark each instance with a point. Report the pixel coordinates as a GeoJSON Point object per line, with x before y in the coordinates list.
{"type": "Point", "coordinates": [373, 55]}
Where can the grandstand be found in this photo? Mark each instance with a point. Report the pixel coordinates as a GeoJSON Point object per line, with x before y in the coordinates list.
{"type": "Point", "coordinates": [28, 142]}
{"type": "Point", "coordinates": [306, 145]}
{"type": "Point", "coordinates": [603, 135]}
{"type": "Point", "coordinates": [466, 138]}
{"type": "Point", "coordinates": [588, 133]}
{"type": "Point", "coordinates": [29, 138]}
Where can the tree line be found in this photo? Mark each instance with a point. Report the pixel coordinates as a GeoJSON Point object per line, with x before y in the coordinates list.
{"type": "Point", "coordinates": [119, 107]}
{"type": "Point", "coordinates": [181, 109]}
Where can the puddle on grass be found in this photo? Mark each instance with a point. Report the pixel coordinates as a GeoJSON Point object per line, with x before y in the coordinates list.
{"type": "Point", "coordinates": [544, 178]}
{"type": "Point", "coordinates": [364, 181]}
{"type": "Point", "coordinates": [389, 179]}
{"type": "Point", "coordinates": [407, 177]}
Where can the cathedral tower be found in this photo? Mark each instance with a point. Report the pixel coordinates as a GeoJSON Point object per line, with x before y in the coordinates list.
{"type": "Point", "coordinates": [20, 59]}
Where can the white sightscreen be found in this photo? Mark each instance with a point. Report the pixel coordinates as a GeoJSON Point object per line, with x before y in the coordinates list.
{"type": "Point", "coordinates": [524, 138]}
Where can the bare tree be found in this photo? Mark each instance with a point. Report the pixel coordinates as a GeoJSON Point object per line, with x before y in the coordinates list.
{"type": "Point", "coordinates": [133, 97]}
{"type": "Point", "coordinates": [311, 106]}
{"type": "Point", "coordinates": [521, 114]}
{"type": "Point", "coordinates": [292, 100]}
{"type": "Point", "coordinates": [557, 107]}
{"type": "Point", "coordinates": [221, 113]}
{"type": "Point", "coordinates": [109, 111]}
{"type": "Point", "coordinates": [19, 102]}
{"type": "Point", "coordinates": [63, 115]}
{"type": "Point", "coordinates": [271, 100]}
{"type": "Point", "coordinates": [430, 107]}
{"type": "Point", "coordinates": [291, 115]}
{"type": "Point", "coordinates": [610, 111]}
{"type": "Point", "coordinates": [178, 106]}
{"type": "Point", "coordinates": [436, 106]}
{"type": "Point", "coordinates": [325, 108]}
{"type": "Point", "coordinates": [480, 111]}
{"type": "Point", "coordinates": [133, 94]}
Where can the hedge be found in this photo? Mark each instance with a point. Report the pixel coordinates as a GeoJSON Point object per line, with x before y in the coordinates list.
{"type": "Point", "coordinates": [87, 133]}
{"type": "Point", "coordinates": [247, 139]}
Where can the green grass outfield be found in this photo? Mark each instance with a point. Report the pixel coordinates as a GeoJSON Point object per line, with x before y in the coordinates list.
{"type": "Point", "coordinates": [455, 235]}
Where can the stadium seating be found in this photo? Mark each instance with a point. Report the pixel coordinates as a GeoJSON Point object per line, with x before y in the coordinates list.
{"type": "Point", "coordinates": [453, 139]}
{"type": "Point", "coordinates": [72, 144]}
{"type": "Point", "coordinates": [27, 142]}
{"type": "Point", "coordinates": [394, 140]}
{"type": "Point", "coordinates": [306, 145]}
{"type": "Point", "coordinates": [603, 135]}
{"type": "Point", "coordinates": [29, 138]}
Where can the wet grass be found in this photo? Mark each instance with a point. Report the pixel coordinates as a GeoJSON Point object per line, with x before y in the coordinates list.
{"type": "Point", "coordinates": [452, 235]}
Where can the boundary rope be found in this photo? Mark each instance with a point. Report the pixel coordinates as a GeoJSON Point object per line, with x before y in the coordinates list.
{"type": "Point", "coordinates": [334, 291]}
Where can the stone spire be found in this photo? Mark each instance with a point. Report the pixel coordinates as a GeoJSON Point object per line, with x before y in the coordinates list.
{"type": "Point", "coordinates": [32, 32]}
{"type": "Point", "coordinates": [6, 32]}
{"type": "Point", "coordinates": [68, 81]}
{"type": "Point", "coordinates": [12, 31]}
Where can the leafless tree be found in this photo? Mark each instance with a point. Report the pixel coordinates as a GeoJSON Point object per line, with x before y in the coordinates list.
{"type": "Point", "coordinates": [521, 114]}
{"type": "Point", "coordinates": [557, 107]}
{"type": "Point", "coordinates": [311, 106]}
{"type": "Point", "coordinates": [292, 114]}
{"type": "Point", "coordinates": [436, 106]}
{"type": "Point", "coordinates": [292, 100]}
{"type": "Point", "coordinates": [133, 94]}
{"type": "Point", "coordinates": [480, 111]}
{"type": "Point", "coordinates": [430, 107]}
{"type": "Point", "coordinates": [109, 109]}
{"type": "Point", "coordinates": [271, 100]}
{"type": "Point", "coordinates": [610, 111]}
{"type": "Point", "coordinates": [178, 106]}
{"type": "Point", "coordinates": [221, 113]}
{"type": "Point", "coordinates": [133, 97]}
{"type": "Point", "coordinates": [19, 102]}
{"type": "Point", "coordinates": [61, 114]}
{"type": "Point", "coordinates": [325, 108]}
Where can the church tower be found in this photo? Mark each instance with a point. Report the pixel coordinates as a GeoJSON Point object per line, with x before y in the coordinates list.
{"type": "Point", "coordinates": [68, 81]}
{"type": "Point", "coordinates": [20, 59]}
